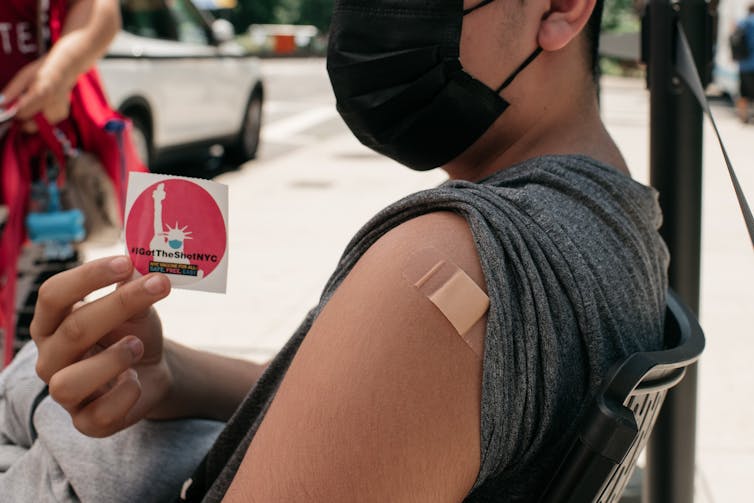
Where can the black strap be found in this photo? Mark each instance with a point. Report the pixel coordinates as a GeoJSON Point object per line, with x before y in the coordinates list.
{"type": "Point", "coordinates": [520, 68]}
{"type": "Point", "coordinates": [37, 400]}
{"type": "Point", "coordinates": [686, 69]}
{"type": "Point", "coordinates": [477, 6]}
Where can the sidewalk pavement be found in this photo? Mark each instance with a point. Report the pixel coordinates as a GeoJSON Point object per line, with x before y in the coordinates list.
{"type": "Point", "coordinates": [291, 217]}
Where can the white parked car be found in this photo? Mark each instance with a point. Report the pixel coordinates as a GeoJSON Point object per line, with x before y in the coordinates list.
{"type": "Point", "coordinates": [183, 81]}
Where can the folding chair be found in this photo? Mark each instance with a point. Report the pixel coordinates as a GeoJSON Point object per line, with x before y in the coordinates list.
{"type": "Point", "coordinates": [615, 428]}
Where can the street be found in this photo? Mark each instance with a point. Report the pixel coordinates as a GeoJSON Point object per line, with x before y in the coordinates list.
{"type": "Point", "coordinates": [299, 108]}
{"type": "Point", "coordinates": [293, 209]}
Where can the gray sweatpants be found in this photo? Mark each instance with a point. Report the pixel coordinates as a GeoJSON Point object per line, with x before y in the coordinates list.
{"type": "Point", "coordinates": [43, 458]}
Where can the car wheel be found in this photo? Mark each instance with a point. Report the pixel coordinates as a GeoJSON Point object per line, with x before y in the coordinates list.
{"type": "Point", "coordinates": [141, 140]}
{"type": "Point", "coordinates": [247, 142]}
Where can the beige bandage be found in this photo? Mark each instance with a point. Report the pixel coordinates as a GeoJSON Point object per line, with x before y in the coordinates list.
{"type": "Point", "coordinates": [451, 290]}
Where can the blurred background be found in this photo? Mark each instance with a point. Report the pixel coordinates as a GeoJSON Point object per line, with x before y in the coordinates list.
{"type": "Point", "coordinates": [188, 73]}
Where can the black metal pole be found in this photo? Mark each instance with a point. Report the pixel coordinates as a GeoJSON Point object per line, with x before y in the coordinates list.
{"type": "Point", "coordinates": [676, 172]}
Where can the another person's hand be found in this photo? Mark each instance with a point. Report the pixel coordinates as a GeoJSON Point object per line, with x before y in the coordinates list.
{"type": "Point", "coordinates": [103, 360]}
{"type": "Point", "coordinates": [38, 89]}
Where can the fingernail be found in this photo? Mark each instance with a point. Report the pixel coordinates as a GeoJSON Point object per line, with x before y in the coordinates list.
{"type": "Point", "coordinates": [119, 265]}
{"type": "Point", "coordinates": [154, 285]}
{"type": "Point", "coordinates": [136, 347]}
{"type": "Point", "coordinates": [2, 99]}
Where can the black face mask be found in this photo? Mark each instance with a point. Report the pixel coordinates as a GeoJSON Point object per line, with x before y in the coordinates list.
{"type": "Point", "coordinates": [395, 70]}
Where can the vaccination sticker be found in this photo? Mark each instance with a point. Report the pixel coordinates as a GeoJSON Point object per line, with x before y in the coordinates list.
{"type": "Point", "coordinates": [179, 227]}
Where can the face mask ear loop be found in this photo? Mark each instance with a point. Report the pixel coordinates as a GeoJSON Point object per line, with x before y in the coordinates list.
{"type": "Point", "coordinates": [518, 70]}
{"type": "Point", "coordinates": [477, 6]}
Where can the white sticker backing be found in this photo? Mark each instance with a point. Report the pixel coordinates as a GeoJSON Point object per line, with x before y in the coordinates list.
{"type": "Point", "coordinates": [178, 227]}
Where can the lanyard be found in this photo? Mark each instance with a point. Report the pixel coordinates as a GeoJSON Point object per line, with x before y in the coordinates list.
{"type": "Point", "coordinates": [687, 71]}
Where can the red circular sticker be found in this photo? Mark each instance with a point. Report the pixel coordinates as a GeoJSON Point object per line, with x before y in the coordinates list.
{"type": "Point", "coordinates": [175, 227]}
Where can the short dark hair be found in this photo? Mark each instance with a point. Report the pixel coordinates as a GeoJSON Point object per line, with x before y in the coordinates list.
{"type": "Point", "coordinates": [593, 38]}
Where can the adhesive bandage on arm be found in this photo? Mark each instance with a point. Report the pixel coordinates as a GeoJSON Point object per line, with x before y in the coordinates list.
{"type": "Point", "coordinates": [451, 290]}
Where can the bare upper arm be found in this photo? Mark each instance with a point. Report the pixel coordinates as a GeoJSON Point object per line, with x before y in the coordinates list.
{"type": "Point", "coordinates": [382, 401]}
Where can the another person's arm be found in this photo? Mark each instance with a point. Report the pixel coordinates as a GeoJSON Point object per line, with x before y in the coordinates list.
{"type": "Point", "coordinates": [44, 85]}
{"type": "Point", "coordinates": [382, 401]}
{"type": "Point", "coordinates": [206, 385]}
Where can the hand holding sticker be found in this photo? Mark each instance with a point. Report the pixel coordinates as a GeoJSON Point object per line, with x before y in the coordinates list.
{"type": "Point", "coordinates": [178, 226]}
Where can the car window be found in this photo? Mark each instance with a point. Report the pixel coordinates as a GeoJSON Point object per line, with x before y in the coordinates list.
{"type": "Point", "coordinates": [190, 26]}
{"type": "Point", "coordinates": [148, 18]}
{"type": "Point", "coordinates": [164, 19]}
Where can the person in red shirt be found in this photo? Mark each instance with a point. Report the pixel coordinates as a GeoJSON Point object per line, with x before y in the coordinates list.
{"type": "Point", "coordinates": [37, 76]}
{"type": "Point", "coordinates": [44, 83]}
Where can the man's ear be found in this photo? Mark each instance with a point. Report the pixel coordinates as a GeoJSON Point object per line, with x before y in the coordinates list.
{"type": "Point", "coordinates": [563, 22]}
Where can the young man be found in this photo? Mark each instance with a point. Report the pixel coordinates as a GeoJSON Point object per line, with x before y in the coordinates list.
{"type": "Point", "coordinates": [465, 325]}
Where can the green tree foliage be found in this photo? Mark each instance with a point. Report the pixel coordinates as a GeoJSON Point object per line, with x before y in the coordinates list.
{"type": "Point", "coordinates": [620, 16]}
{"type": "Point", "coordinates": [288, 12]}
{"type": "Point", "coordinates": [249, 12]}
{"type": "Point", "coordinates": [315, 12]}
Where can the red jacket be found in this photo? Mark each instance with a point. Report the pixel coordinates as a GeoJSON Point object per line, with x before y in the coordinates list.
{"type": "Point", "coordinates": [90, 113]}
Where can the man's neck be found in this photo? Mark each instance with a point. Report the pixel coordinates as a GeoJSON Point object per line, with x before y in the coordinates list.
{"type": "Point", "coordinates": [563, 125]}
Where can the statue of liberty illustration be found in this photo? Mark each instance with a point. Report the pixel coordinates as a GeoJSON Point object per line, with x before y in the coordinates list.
{"type": "Point", "coordinates": [172, 239]}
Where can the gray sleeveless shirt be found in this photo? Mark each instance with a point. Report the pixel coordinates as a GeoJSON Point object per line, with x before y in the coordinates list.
{"type": "Point", "coordinates": [576, 275]}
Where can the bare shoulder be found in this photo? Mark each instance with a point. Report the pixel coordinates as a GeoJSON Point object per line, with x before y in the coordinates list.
{"type": "Point", "coordinates": [382, 401]}
{"type": "Point", "coordinates": [447, 231]}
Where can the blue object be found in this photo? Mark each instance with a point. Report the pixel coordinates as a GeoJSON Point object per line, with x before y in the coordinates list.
{"type": "Point", "coordinates": [64, 226]}
{"type": "Point", "coordinates": [747, 65]}
{"type": "Point", "coordinates": [118, 127]}
{"type": "Point", "coordinates": [115, 126]}
{"type": "Point", "coordinates": [175, 243]}
{"type": "Point", "coordinates": [51, 226]}
{"type": "Point", "coordinates": [53, 201]}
